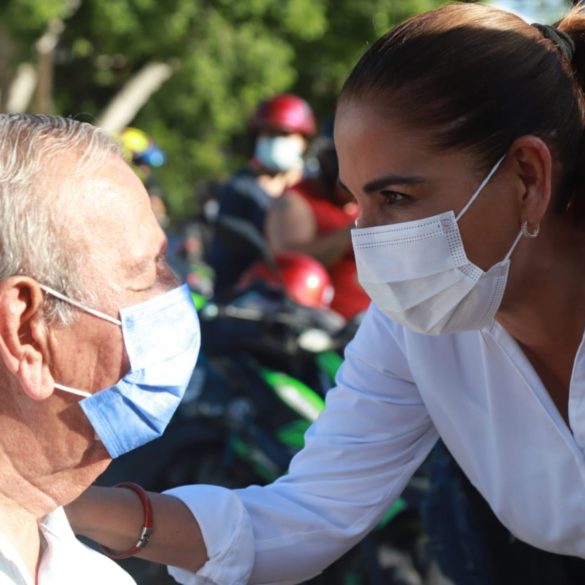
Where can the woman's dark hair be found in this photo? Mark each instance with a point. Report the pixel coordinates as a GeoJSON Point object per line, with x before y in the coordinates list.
{"type": "Point", "coordinates": [479, 78]}
{"type": "Point", "coordinates": [328, 167]}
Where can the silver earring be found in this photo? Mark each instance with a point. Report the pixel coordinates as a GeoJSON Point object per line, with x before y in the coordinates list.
{"type": "Point", "coordinates": [527, 233]}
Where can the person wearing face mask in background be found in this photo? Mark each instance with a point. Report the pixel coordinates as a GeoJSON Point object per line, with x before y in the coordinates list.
{"type": "Point", "coordinates": [97, 342]}
{"type": "Point", "coordinates": [460, 134]}
{"type": "Point", "coordinates": [282, 127]}
{"type": "Point", "coordinates": [315, 217]}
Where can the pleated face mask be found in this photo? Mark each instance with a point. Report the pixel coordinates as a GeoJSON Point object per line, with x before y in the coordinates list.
{"type": "Point", "coordinates": [162, 340]}
{"type": "Point", "coordinates": [418, 274]}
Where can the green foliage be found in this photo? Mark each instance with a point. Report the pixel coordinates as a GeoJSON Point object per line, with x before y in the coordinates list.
{"type": "Point", "coordinates": [31, 16]}
{"type": "Point", "coordinates": [227, 55]}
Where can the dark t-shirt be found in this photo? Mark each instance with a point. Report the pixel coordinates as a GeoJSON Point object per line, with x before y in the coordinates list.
{"type": "Point", "coordinates": [240, 197]}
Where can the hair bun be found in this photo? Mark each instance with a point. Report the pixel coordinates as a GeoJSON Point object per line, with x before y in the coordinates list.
{"type": "Point", "coordinates": [562, 41]}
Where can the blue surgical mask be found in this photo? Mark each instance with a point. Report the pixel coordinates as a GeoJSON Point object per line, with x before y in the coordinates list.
{"type": "Point", "coordinates": [162, 340]}
{"type": "Point", "coordinates": [279, 153]}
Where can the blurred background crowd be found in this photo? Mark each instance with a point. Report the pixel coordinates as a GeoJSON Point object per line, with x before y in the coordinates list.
{"type": "Point", "coordinates": [189, 72]}
{"type": "Point", "coordinates": [188, 78]}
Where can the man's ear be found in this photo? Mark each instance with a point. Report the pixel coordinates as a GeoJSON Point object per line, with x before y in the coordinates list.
{"type": "Point", "coordinates": [24, 336]}
{"type": "Point", "coordinates": [532, 162]}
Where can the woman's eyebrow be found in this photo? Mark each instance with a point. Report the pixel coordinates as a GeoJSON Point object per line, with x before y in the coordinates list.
{"type": "Point", "coordinates": [388, 180]}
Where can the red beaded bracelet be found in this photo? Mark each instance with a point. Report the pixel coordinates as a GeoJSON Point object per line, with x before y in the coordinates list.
{"type": "Point", "coordinates": [147, 526]}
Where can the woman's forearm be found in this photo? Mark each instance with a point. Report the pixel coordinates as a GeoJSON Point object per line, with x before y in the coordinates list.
{"type": "Point", "coordinates": [114, 517]}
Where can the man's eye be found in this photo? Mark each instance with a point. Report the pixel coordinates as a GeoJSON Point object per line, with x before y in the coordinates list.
{"type": "Point", "coordinates": [161, 262]}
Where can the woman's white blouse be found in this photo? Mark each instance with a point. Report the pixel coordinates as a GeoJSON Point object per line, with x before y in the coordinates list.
{"type": "Point", "coordinates": [396, 392]}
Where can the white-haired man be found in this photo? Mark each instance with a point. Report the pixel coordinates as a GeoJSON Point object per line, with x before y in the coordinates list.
{"type": "Point", "coordinates": [82, 277]}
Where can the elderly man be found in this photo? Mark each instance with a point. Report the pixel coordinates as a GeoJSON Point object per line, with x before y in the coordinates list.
{"type": "Point", "coordinates": [83, 277]}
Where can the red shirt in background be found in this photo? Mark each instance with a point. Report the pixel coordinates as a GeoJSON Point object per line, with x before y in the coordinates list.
{"type": "Point", "coordinates": [349, 298]}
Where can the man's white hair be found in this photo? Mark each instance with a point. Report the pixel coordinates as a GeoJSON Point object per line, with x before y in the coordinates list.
{"type": "Point", "coordinates": [32, 240]}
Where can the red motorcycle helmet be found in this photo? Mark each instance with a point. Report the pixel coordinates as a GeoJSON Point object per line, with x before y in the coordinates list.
{"type": "Point", "coordinates": [304, 278]}
{"type": "Point", "coordinates": [286, 112]}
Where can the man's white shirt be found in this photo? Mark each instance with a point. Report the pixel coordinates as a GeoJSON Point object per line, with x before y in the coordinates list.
{"type": "Point", "coordinates": [65, 560]}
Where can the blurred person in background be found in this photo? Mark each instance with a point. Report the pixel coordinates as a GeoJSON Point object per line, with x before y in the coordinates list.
{"type": "Point", "coordinates": [282, 128]}
{"type": "Point", "coordinates": [315, 217]}
{"type": "Point", "coordinates": [184, 247]}
{"type": "Point", "coordinates": [144, 155]}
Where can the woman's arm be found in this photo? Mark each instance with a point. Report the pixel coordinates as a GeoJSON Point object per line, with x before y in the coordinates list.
{"type": "Point", "coordinates": [114, 517]}
{"type": "Point", "coordinates": [360, 453]}
{"type": "Point", "coordinates": [373, 434]}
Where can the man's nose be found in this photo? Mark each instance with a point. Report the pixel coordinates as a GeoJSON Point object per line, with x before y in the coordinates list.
{"type": "Point", "coordinates": [167, 278]}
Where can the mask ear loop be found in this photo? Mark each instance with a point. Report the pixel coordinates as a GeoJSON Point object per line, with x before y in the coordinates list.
{"type": "Point", "coordinates": [474, 197]}
{"type": "Point", "coordinates": [71, 390]}
{"type": "Point", "coordinates": [480, 188]}
{"type": "Point", "coordinates": [77, 304]}
{"type": "Point", "coordinates": [507, 257]}
{"type": "Point", "coordinates": [93, 312]}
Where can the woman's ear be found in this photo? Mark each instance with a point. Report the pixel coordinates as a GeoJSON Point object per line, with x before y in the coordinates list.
{"type": "Point", "coordinates": [23, 336]}
{"type": "Point", "coordinates": [532, 162]}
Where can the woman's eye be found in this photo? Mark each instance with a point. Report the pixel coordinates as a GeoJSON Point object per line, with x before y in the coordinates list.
{"type": "Point", "coordinates": [392, 197]}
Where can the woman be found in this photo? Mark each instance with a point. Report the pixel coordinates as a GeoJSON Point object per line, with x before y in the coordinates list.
{"type": "Point", "coordinates": [459, 133]}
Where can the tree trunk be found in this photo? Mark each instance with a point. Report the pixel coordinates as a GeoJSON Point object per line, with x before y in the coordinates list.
{"type": "Point", "coordinates": [135, 93]}
{"type": "Point", "coordinates": [45, 53]}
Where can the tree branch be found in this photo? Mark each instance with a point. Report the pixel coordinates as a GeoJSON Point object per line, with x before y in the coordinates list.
{"type": "Point", "coordinates": [136, 92]}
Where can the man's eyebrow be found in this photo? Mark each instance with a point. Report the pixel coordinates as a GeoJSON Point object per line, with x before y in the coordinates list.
{"type": "Point", "coordinates": [139, 266]}
{"type": "Point", "coordinates": [142, 264]}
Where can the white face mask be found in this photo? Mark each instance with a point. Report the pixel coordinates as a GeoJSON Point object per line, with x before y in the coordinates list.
{"type": "Point", "coordinates": [279, 153]}
{"type": "Point", "coordinates": [418, 274]}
